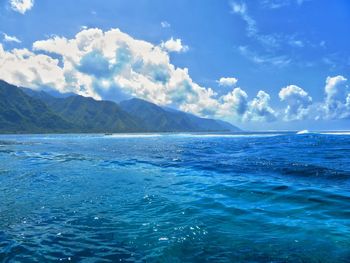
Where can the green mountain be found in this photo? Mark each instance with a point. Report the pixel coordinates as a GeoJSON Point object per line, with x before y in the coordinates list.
{"type": "Point", "coordinates": [24, 110]}
{"type": "Point", "coordinates": [22, 113]}
{"type": "Point", "coordinates": [155, 118]}
{"type": "Point", "coordinates": [93, 116]}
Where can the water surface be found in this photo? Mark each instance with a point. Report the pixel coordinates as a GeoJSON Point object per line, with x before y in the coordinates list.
{"type": "Point", "coordinates": [274, 197]}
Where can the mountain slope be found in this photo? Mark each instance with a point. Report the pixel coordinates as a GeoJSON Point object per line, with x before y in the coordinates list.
{"type": "Point", "coordinates": [93, 116]}
{"type": "Point", "coordinates": [87, 114]}
{"type": "Point", "coordinates": [20, 113]}
{"type": "Point", "coordinates": [155, 118]}
{"type": "Point", "coordinates": [24, 110]}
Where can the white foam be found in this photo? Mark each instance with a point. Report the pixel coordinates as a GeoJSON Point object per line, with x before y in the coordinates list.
{"type": "Point", "coordinates": [130, 135]}
{"type": "Point", "coordinates": [234, 135]}
{"type": "Point", "coordinates": [218, 135]}
{"type": "Point", "coordinates": [336, 133]}
{"type": "Point", "coordinates": [191, 135]}
{"type": "Point", "coordinates": [303, 132]}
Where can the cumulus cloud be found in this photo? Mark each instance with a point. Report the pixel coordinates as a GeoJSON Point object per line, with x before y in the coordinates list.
{"type": "Point", "coordinates": [236, 106]}
{"type": "Point", "coordinates": [21, 6]}
{"type": "Point", "coordinates": [337, 98]}
{"type": "Point", "coordinates": [259, 108]}
{"type": "Point", "coordinates": [23, 67]}
{"type": "Point", "coordinates": [174, 45]}
{"type": "Point", "coordinates": [235, 102]}
{"type": "Point", "coordinates": [227, 82]}
{"type": "Point", "coordinates": [298, 101]}
{"type": "Point", "coordinates": [336, 104]}
{"type": "Point", "coordinates": [8, 38]}
{"type": "Point", "coordinates": [348, 101]}
{"type": "Point", "coordinates": [104, 64]}
{"type": "Point", "coordinates": [99, 64]}
{"type": "Point", "coordinates": [137, 67]}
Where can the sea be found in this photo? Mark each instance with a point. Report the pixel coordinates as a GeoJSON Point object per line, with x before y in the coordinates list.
{"type": "Point", "coordinates": [175, 197]}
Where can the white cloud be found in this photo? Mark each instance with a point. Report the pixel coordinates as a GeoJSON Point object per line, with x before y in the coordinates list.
{"type": "Point", "coordinates": [174, 45]}
{"type": "Point", "coordinates": [337, 98]}
{"type": "Point", "coordinates": [235, 103]}
{"type": "Point", "coordinates": [348, 101]}
{"type": "Point", "coordinates": [336, 104]}
{"type": "Point", "coordinates": [8, 38]}
{"type": "Point", "coordinates": [21, 6]}
{"type": "Point", "coordinates": [103, 64]}
{"type": "Point", "coordinates": [165, 24]}
{"type": "Point", "coordinates": [275, 4]}
{"type": "Point", "coordinates": [298, 101]}
{"type": "Point", "coordinates": [99, 64]}
{"type": "Point", "coordinates": [271, 47]}
{"type": "Point", "coordinates": [235, 106]}
{"type": "Point", "coordinates": [279, 61]}
{"type": "Point", "coordinates": [227, 82]}
{"type": "Point", "coordinates": [24, 68]}
{"type": "Point", "coordinates": [269, 40]}
{"type": "Point", "coordinates": [296, 43]}
{"type": "Point", "coordinates": [259, 108]}
{"type": "Point", "coordinates": [335, 87]}
{"type": "Point", "coordinates": [241, 9]}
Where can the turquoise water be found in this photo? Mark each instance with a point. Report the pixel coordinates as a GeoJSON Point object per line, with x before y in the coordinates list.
{"type": "Point", "coordinates": [175, 198]}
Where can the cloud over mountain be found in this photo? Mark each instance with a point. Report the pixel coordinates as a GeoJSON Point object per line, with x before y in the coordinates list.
{"type": "Point", "coordinates": [95, 63]}
{"type": "Point", "coordinates": [104, 64]}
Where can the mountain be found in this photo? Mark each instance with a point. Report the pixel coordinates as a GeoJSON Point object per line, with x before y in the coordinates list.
{"type": "Point", "coordinates": [204, 124]}
{"type": "Point", "coordinates": [46, 94]}
{"type": "Point", "coordinates": [24, 110]}
{"type": "Point", "coordinates": [156, 118]}
{"type": "Point", "coordinates": [20, 112]}
{"type": "Point", "coordinates": [87, 114]}
{"type": "Point", "coordinates": [93, 116]}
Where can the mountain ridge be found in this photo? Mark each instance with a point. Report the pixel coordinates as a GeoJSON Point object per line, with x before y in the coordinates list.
{"type": "Point", "coordinates": [22, 113]}
{"type": "Point", "coordinates": [79, 114]}
{"type": "Point", "coordinates": [170, 119]}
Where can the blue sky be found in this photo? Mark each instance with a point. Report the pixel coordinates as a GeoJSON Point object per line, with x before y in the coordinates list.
{"type": "Point", "coordinates": [296, 52]}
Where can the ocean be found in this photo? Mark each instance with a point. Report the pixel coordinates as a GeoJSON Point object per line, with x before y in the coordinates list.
{"type": "Point", "coordinates": [250, 197]}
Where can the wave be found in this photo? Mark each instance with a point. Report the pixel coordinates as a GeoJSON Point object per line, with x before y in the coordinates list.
{"type": "Point", "coordinates": [324, 132]}
{"type": "Point", "coordinates": [50, 156]}
{"type": "Point", "coordinates": [310, 170]}
{"type": "Point", "coordinates": [192, 135]}
{"type": "Point", "coordinates": [130, 135]}
{"type": "Point", "coordinates": [336, 133]}
{"type": "Point", "coordinates": [303, 132]}
{"type": "Point", "coordinates": [234, 135]}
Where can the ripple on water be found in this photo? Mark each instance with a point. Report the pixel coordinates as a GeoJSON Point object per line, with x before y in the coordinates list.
{"type": "Point", "coordinates": [175, 198]}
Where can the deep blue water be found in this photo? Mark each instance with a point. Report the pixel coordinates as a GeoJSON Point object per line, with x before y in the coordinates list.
{"type": "Point", "coordinates": [175, 198]}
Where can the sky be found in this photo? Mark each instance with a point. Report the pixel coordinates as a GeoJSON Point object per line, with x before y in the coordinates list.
{"type": "Point", "coordinates": [259, 64]}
